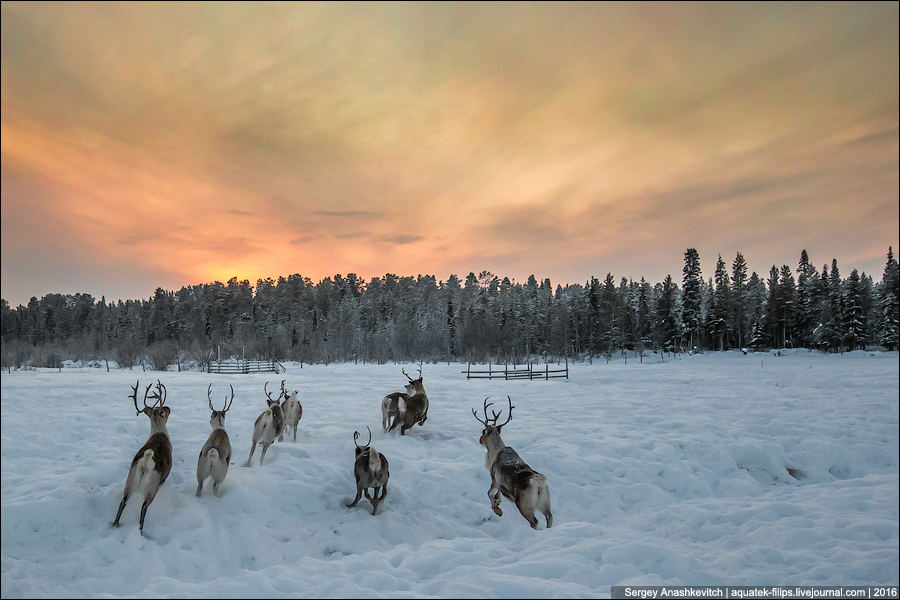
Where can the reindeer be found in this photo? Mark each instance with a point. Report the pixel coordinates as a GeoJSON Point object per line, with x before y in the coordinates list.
{"type": "Point", "coordinates": [216, 453]}
{"type": "Point", "coordinates": [371, 470]}
{"type": "Point", "coordinates": [413, 408]}
{"type": "Point", "coordinates": [510, 474]}
{"type": "Point", "coordinates": [151, 465]}
{"type": "Point", "coordinates": [268, 426]}
{"type": "Point", "coordinates": [390, 405]}
{"type": "Point", "coordinates": [292, 410]}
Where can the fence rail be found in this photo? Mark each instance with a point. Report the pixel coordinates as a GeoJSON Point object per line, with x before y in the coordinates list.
{"type": "Point", "coordinates": [529, 372]}
{"type": "Point", "coordinates": [232, 367]}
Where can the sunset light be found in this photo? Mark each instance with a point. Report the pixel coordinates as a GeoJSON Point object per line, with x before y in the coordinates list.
{"type": "Point", "coordinates": [150, 145]}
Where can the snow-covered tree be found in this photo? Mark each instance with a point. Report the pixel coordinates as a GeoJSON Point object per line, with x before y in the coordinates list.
{"type": "Point", "coordinates": [888, 294]}
{"type": "Point", "coordinates": [691, 297]}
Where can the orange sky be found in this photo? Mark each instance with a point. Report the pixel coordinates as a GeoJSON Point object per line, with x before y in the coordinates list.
{"type": "Point", "coordinates": [169, 144]}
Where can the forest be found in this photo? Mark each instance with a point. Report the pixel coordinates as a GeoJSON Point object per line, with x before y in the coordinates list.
{"type": "Point", "coordinates": [482, 318]}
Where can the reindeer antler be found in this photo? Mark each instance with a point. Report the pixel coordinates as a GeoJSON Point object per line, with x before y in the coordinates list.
{"type": "Point", "coordinates": [508, 418]}
{"type": "Point", "coordinates": [227, 401]}
{"type": "Point", "coordinates": [356, 437]}
{"type": "Point", "coordinates": [485, 422]}
{"type": "Point", "coordinates": [159, 395]}
{"type": "Point", "coordinates": [266, 389]}
{"type": "Point", "coordinates": [134, 395]}
{"type": "Point", "coordinates": [232, 398]}
{"type": "Point", "coordinates": [492, 421]}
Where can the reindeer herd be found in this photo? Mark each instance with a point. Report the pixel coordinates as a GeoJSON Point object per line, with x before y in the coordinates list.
{"type": "Point", "coordinates": [150, 467]}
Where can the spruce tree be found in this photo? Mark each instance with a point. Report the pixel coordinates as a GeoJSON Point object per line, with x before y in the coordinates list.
{"type": "Point", "coordinates": [855, 336]}
{"type": "Point", "coordinates": [738, 284]}
{"type": "Point", "coordinates": [691, 284]}
{"type": "Point", "coordinates": [720, 305]}
{"type": "Point", "coordinates": [665, 330]}
{"type": "Point", "coordinates": [807, 281]}
{"type": "Point", "coordinates": [773, 310]}
{"type": "Point", "coordinates": [888, 293]}
{"type": "Point", "coordinates": [787, 290]}
{"type": "Point", "coordinates": [836, 299]}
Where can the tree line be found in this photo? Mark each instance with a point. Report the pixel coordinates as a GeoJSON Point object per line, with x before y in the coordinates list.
{"type": "Point", "coordinates": [479, 319]}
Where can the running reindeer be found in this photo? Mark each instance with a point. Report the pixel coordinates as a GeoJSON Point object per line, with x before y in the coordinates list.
{"type": "Point", "coordinates": [371, 471]}
{"type": "Point", "coordinates": [390, 404]}
{"type": "Point", "coordinates": [216, 453]}
{"type": "Point", "coordinates": [510, 474]}
{"type": "Point", "coordinates": [292, 410]}
{"type": "Point", "coordinates": [268, 426]}
{"type": "Point", "coordinates": [412, 407]}
{"type": "Point", "coordinates": [151, 465]}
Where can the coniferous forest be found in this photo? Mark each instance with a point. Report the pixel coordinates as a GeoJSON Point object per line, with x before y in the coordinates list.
{"type": "Point", "coordinates": [479, 319]}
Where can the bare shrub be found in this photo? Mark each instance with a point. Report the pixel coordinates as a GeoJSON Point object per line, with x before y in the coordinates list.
{"type": "Point", "coordinates": [49, 356]}
{"type": "Point", "coordinates": [17, 354]}
{"type": "Point", "coordinates": [128, 353]}
{"type": "Point", "coordinates": [202, 356]}
{"type": "Point", "coordinates": [162, 355]}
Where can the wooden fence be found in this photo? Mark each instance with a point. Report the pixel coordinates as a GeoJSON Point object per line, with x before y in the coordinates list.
{"type": "Point", "coordinates": [527, 372]}
{"type": "Point", "coordinates": [230, 367]}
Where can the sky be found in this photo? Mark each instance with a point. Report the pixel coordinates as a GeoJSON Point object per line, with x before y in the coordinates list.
{"type": "Point", "coordinates": [150, 145]}
{"type": "Point", "coordinates": [775, 469]}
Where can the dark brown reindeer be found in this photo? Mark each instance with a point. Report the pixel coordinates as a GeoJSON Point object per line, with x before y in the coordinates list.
{"type": "Point", "coordinates": [412, 407]}
{"type": "Point", "coordinates": [292, 410]}
{"type": "Point", "coordinates": [151, 465]}
{"type": "Point", "coordinates": [371, 471]}
{"type": "Point", "coordinates": [215, 456]}
{"type": "Point", "coordinates": [510, 474]}
{"type": "Point", "coordinates": [268, 425]}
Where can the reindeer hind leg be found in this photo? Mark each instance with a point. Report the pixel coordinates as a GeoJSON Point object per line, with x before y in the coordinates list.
{"type": "Point", "coordinates": [144, 507]}
{"type": "Point", "coordinates": [356, 500]}
{"type": "Point", "coordinates": [528, 513]}
{"type": "Point", "coordinates": [252, 450]}
{"type": "Point", "coordinates": [121, 508]}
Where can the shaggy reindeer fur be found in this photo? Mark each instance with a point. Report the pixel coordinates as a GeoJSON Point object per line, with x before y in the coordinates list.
{"type": "Point", "coordinates": [510, 475]}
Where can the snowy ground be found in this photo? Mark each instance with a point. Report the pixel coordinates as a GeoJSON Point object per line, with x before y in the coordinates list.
{"type": "Point", "coordinates": [721, 468]}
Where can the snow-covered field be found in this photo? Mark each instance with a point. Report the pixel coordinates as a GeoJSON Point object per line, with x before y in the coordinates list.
{"type": "Point", "coordinates": [722, 468]}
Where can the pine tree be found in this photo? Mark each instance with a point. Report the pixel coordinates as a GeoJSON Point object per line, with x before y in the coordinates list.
{"type": "Point", "coordinates": [836, 299]}
{"type": "Point", "coordinates": [738, 284]}
{"type": "Point", "coordinates": [691, 298]}
{"type": "Point", "coordinates": [720, 306]}
{"type": "Point", "coordinates": [665, 330]}
{"type": "Point", "coordinates": [888, 293]}
{"type": "Point", "coordinates": [855, 335]}
{"type": "Point", "coordinates": [774, 310]}
{"type": "Point", "coordinates": [807, 281]}
{"type": "Point", "coordinates": [787, 290]}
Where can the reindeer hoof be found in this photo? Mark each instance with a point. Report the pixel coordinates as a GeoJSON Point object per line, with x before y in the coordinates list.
{"type": "Point", "coordinates": [498, 511]}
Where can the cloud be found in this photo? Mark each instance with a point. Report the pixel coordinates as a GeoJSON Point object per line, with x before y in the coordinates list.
{"type": "Point", "coordinates": [401, 240]}
{"type": "Point", "coordinates": [350, 214]}
{"type": "Point", "coordinates": [554, 135]}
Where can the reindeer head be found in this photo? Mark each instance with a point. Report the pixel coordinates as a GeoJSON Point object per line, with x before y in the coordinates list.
{"type": "Point", "coordinates": [217, 419]}
{"type": "Point", "coordinates": [365, 448]}
{"type": "Point", "coordinates": [270, 401]}
{"type": "Point", "coordinates": [490, 423]}
{"type": "Point", "coordinates": [157, 410]}
{"type": "Point", "coordinates": [286, 394]}
{"type": "Point", "coordinates": [415, 383]}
